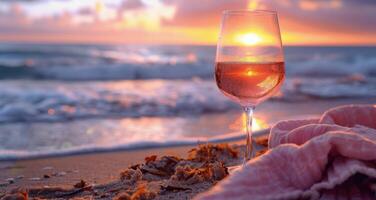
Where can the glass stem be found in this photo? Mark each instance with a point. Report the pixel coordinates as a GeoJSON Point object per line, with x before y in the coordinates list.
{"type": "Point", "coordinates": [248, 111]}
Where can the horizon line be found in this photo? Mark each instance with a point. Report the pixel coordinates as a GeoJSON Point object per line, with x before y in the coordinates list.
{"type": "Point", "coordinates": [170, 44]}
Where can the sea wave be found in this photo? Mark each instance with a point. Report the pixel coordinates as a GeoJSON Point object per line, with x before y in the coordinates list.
{"type": "Point", "coordinates": [100, 62]}
{"type": "Point", "coordinates": [60, 101]}
{"type": "Point", "coordinates": [116, 62]}
{"type": "Point", "coordinates": [323, 67]}
{"type": "Point", "coordinates": [56, 101]}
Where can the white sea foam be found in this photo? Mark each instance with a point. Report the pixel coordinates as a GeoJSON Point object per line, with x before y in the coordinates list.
{"type": "Point", "coordinates": [57, 101]}
{"type": "Point", "coordinates": [61, 101]}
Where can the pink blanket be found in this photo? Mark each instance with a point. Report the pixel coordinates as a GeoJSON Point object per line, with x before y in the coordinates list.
{"type": "Point", "coordinates": [333, 157]}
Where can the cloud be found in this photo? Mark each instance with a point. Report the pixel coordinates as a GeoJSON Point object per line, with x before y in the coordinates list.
{"type": "Point", "coordinates": [178, 20]}
{"type": "Point", "coordinates": [132, 22]}
{"type": "Point", "coordinates": [326, 15]}
{"type": "Point", "coordinates": [14, 17]}
{"type": "Point", "coordinates": [123, 14]}
{"type": "Point", "coordinates": [149, 17]}
{"type": "Point", "coordinates": [202, 12]}
{"type": "Point", "coordinates": [131, 4]}
{"type": "Point", "coordinates": [311, 5]}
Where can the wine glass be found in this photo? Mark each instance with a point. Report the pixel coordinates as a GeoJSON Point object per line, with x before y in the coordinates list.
{"type": "Point", "coordinates": [249, 61]}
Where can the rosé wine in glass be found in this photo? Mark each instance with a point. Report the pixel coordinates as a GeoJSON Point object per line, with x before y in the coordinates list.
{"type": "Point", "coordinates": [250, 65]}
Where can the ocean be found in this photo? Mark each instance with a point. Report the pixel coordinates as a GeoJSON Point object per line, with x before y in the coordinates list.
{"type": "Point", "coordinates": [61, 99]}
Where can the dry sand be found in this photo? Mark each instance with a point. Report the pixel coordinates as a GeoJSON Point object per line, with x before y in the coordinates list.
{"type": "Point", "coordinates": [96, 168]}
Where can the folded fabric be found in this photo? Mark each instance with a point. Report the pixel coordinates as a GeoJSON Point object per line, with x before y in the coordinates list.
{"type": "Point", "coordinates": [333, 157]}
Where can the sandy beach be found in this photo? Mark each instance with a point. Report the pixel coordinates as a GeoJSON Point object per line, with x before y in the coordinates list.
{"type": "Point", "coordinates": [96, 168]}
{"type": "Point", "coordinates": [100, 168]}
{"type": "Point", "coordinates": [102, 173]}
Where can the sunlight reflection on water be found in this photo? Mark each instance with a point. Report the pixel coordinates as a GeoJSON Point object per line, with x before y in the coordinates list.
{"type": "Point", "coordinates": [239, 124]}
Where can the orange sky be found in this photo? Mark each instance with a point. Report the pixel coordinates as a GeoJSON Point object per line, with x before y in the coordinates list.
{"type": "Point", "coordinates": [303, 22]}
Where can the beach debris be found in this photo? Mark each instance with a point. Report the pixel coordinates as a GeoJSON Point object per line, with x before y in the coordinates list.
{"type": "Point", "coordinates": [166, 177]}
{"type": "Point", "coordinates": [95, 192]}
{"type": "Point", "coordinates": [131, 175]}
{"type": "Point", "coordinates": [262, 141]}
{"type": "Point", "coordinates": [10, 180]}
{"type": "Point", "coordinates": [20, 177]}
{"type": "Point", "coordinates": [208, 172]}
{"type": "Point", "coordinates": [172, 188]}
{"type": "Point", "coordinates": [122, 196]}
{"type": "Point", "coordinates": [150, 158]}
{"type": "Point", "coordinates": [136, 166]}
{"type": "Point", "coordinates": [105, 195]}
{"type": "Point", "coordinates": [162, 167]}
{"type": "Point", "coordinates": [46, 176]}
{"type": "Point", "coordinates": [143, 193]}
{"type": "Point", "coordinates": [80, 184]}
{"type": "Point", "coordinates": [217, 170]}
{"type": "Point", "coordinates": [151, 170]}
{"type": "Point", "coordinates": [16, 194]}
{"type": "Point", "coordinates": [212, 152]}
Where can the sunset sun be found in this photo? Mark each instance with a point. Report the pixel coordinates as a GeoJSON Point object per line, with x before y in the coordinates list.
{"type": "Point", "coordinates": [249, 39]}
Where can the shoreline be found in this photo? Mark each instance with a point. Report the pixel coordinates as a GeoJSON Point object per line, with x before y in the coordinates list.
{"type": "Point", "coordinates": [234, 137]}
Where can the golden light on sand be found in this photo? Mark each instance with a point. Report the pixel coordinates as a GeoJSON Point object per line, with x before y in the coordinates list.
{"type": "Point", "coordinates": [248, 38]}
